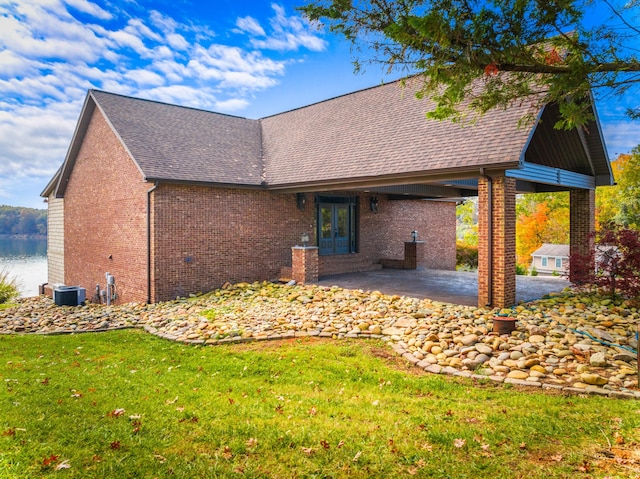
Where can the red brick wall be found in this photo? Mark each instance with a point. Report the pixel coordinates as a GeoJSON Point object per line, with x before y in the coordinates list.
{"type": "Point", "coordinates": [105, 214]}
{"type": "Point", "coordinates": [204, 237]}
{"type": "Point", "coordinates": [383, 234]}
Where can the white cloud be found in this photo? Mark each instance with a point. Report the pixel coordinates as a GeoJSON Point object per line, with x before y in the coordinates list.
{"type": "Point", "coordinates": [49, 58]}
{"type": "Point", "coordinates": [15, 65]}
{"type": "Point", "coordinates": [289, 33]}
{"type": "Point", "coordinates": [89, 8]}
{"type": "Point", "coordinates": [177, 41]}
{"type": "Point", "coordinates": [250, 25]}
{"type": "Point", "coordinates": [144, 78]}
{"type": "Point", "coordinates": [234, 104]}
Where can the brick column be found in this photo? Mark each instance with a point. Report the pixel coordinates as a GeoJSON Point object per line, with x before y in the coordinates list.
{"type": "Point", "coordinates": [413, 254]}
{"type": "Point", "coordinates": [582, 220]}
{"type": "Point", "coordinates": [497, 261]}
{"type": "Point", "coordinates": [304, 264]}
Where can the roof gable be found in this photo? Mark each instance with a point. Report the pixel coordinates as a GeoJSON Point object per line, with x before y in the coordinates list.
{"type": "Point", "coordinates": [176, 143]}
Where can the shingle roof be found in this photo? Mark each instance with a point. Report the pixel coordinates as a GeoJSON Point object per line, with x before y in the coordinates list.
{"type": "Point", "coordinates": [552, 250]}
{"type": "Point", "coordinates": [378, 135]}
{"type": "Point", "coordinates": [383, 131]}
{"type": "Point", "coordinates": [175, 143]}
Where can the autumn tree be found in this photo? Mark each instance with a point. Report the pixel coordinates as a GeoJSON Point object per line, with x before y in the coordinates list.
{"type": "Point", "coordinates": [545, 51]}
{"type": "Point", "coordinates": [467, 221]}
{"type": "Point", "coordinates": [540, 218]}
{"type": "Point", "coordinates": [620, 204]}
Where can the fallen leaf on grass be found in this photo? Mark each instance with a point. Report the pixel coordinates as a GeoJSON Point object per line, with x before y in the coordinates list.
{"type": "Point", "coordinates": [9, 432]}
{"type": "Point", "coordinates": [308, 450]}
{"type": "Point", "coordinates": [340, 444]}
{"type": "Point", "coordinates": [226, 452]}
{"type": "Point", "coordinates": [585, 467]}
{"type": "Point", "coordinates": [459, 442]}
{"type": "Point", "coordinates": [63, 465]}
{"type": "Point", "coordinates": [171, 401]}
{"type": "Point", "coordinates": [325, 444]}
{"type": "Point", "coordinates": [251, 442]}
{"type": "Point", "coordinates": [115, 445]}
{"type": "Point", "coordinates": [116, 413]}
{"type": "Point", "coordinates": [523, 446]}
{"type": "Point", "coordinates": [159, 458]}
{"type": "Point", "coordinates": [313, 411]}
{"type": "Point", "coordinates": [48, 461]}
{"type": "Point", "coordinates": [556, 457]}
{"type": "Point", "coordinates": [357, 456]}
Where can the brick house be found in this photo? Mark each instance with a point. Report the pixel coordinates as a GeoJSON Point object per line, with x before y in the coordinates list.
{"type": "Point", "coordinates": [173, 200]}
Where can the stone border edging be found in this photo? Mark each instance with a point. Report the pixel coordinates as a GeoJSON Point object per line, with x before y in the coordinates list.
{"type": "Point", "coordinates": [402, 352]}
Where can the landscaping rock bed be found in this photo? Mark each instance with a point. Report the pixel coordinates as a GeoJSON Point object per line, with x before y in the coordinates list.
{"type": "Point", "coordinates": [572, 342]}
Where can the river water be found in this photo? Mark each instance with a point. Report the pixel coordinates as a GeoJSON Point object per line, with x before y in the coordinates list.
{"type": "Point", "coordinates": [26, 261]}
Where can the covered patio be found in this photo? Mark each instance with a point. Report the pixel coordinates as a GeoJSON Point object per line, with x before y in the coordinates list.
{"type": "Point", "coordinates": [457, 287]}
{"type": "Point", "coordinates": [495, 159]}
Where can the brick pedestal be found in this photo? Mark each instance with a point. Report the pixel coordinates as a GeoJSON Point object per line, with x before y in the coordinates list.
{"type": "Point", "coordinates": [413, 254]}
{"type": "Point", "coordinates": [582, 217]}
{"type": "Point", "coordinates": [497, 258]}
{"type": "Point", "coordinates": [304, 264]}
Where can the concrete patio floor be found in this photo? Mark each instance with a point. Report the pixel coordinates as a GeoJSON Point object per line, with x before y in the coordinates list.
{"type": "Point", "coordinates": [456, 287]}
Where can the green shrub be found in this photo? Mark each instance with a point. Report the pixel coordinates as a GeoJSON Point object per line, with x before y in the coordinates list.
{"type": "Point", "coordinates": [466, 255]}
{"type": "Point", "coordinates": [521, 270]}
{"type": "Point", "coordinates": [534, 271]}
{"type": "Point", "coordinates": [8, 287]}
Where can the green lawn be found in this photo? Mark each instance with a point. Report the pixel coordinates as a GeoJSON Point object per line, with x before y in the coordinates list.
{"type": "Point", "coordinates": [127, 404]}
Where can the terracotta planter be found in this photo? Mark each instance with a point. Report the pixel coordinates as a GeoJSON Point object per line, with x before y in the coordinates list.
{"type": "Point", "coordinates": [504, 325]}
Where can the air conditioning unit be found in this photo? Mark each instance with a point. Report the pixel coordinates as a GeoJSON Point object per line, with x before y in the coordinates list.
{"type": "Point", "coordinates": [69, 295]}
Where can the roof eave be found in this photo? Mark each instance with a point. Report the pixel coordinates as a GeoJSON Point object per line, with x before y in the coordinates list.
{"type": "Point", "coordinates": [395, 179]}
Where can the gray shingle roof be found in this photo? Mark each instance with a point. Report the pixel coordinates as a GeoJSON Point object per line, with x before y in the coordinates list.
{"type": "Point", "coordinates": [383, 131]}
{"type": "Point", "coordinates": [552, 250]}
{"type": "Point", "coordinates": [378, 135]}
{"type": "Point", "coordinates": [175, 143]}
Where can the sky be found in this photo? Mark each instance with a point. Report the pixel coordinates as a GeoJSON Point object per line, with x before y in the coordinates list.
{"type": "Point", "coordinates": [248, 58]}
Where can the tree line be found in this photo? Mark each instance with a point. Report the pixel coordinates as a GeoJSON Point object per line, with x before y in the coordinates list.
{"type": "Point", "coordinates": [22, 221]}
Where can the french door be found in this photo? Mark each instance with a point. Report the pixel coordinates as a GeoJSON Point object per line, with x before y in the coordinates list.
{"type": "Point", "coordinates": [336, 226]}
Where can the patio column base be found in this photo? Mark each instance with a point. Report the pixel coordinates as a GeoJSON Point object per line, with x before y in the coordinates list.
{"type": "Point", "coordinates": [413, 254]}
{"type": "Point", "coordinates": [304, 264]}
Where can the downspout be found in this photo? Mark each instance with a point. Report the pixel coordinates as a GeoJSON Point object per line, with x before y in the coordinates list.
{"type": "Point", "coordinates": [149, 241]}
{"type": "Point", "coordinates": [489, 234]}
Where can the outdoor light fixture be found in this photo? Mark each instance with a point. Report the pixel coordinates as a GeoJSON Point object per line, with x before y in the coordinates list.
{"type": "Point", "coordinates": [301, 200]}
{"type": "Point", "coordinates": [373, 204]}
{"type": "Point", "coordinates": [305, 239]}
{"type": "Point", "coordinates": [414, 236]}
